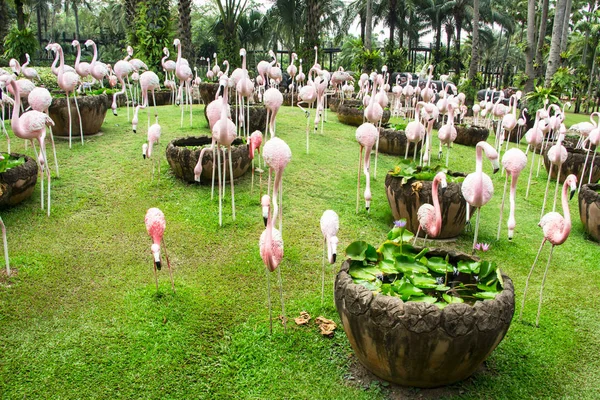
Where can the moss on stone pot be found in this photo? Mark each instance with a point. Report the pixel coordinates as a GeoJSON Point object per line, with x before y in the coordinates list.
{"type": "Point", "coordinates": [406, 199]}
{"type": "Point", "coordinates": [589, 209]}
{"type": "Point", "coordinates": [417, 343]}
{"type": "Point", "coordinates": [470, 135]}
{"type": "Point", "coordinates": [394, 142]}
{"type": "Point", "coordinates": [92, 109]}
{"type": "Point", "coordinates": [354, 116]}
{"type": "Point", "coordinates": [183, 153]}
{"type": "Point", "coordinates": [18, 183]}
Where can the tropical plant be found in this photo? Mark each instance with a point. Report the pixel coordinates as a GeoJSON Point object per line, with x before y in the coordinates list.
{"type": "Point", "coordinates": [370, 60]}
{"type": "Point", "coordinates": [398, 269]}
{"type": "Point", "coordinates": [230, 13]}
{"type": "Point", "coordinates": [409, 171]}
{"type": "Point", "coordinates": [396, 59]}
{"type": "Point", "coordinates": [535, 100]}
{"type": "Point", "coordinates": [9, 161]}
{"type": "Point", "coordinates": [153, 31]}
{"type": "Point", "coordinates": [563, 81]}
{"type": "Point", "coordinates": [18, 43]}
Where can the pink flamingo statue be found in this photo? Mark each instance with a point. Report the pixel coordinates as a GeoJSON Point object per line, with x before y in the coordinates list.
{"type": "Point", "coordinates": [244, 89]}
{"type": "Point", "coordinates": [447, 132]}
{"type": "Point", "coordinates": [477, 188]}
{"type": "Point", "coordinates": [82, 68]}
{"type": "Point", "coordinates": [154, 133]}
{"type": "Point", "coordinates": [430, 217]}
{"type": "Point", "coordinates": [277, 154]}
{"type": "Point", "coordinates": [300, 77]}
{"type": "Point", "coordinates": [273, 100]}
{"type": "Point", "coordinates": [5, 101]}
{"type": "Point", "coordinates": [366, 135]}
{"type": "Point", "coordinates": [534, 137]}
{"type": "Point", "coordinates": [98, 69]}
{"type": "Point", "coordinates": [155, 225]}
{"type": "Point", "coordinates": [169, 67]}
{"type": "Point", "coordinates": [27, 72]}
{"type": "Point", "coordinates": [29, 126]}
{"type": "Point", "coordinates": [556, 230]}
{"type": "Point", "coordinates": [122, 69]}
{"type": "Point", "coordinates": [271, 252]}
{"type": "Point", "coordinates": [53, 67]}
{"type": "Point", "coordinates": [254, 143]}
{"type": "Point", "coordinates": [40, 100]}
{"type": "Point", "coordinates": [307, 95]}
{"type": "Point", "coordinates": [593, 138]}
{"type": "Point", "coordinates": [415, 131]}
{"type": "Point", "coordinates": [292, 70]}
{"type": "Point", "coordinates": [429, 113]}
{"type": "Point", "coordinates": [148, 81]}
{"type": "Point", "coordinates": [557, 155]}
{"type": "Point", "coordinates": [330, 225]}
{"type": "Point", "coordinates": [5, 241]}
{"type": "Point", "coordinates": [514, 161]}
{"type": "Point", "coordinates": [185, 75]}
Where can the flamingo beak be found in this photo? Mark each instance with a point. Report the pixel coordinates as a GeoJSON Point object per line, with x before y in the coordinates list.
{"type": "Point", "coordinates": [496, 166]}
{"type": "Point", "coordinates": [443, 189]}
{"type": "Point", "coordinates": [114, 112]}
{"type": "Point", "coordinates": [510, 234]}
{"type": "Point", "coordinates": [157, 264]}
{"type": "Point", "coordinates": [265, 213]}
{"type": "Point", "coordinates": [572, 194]}
{"type": "Point", "coordinates": [144, 156]}
{"type": "Point", "coordinates": [333, 258]}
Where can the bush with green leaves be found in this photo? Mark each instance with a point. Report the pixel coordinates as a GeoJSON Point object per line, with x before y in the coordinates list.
{"type": "Point", "coordinates": [153, 32]}
{"type": "Point", "coordinates": [535, 100]}
{"type": "Point", "coordinates": [10, 161]}
{"type": "Point", "coordinates": [398, 269]}
{"type": "Point", "coordinates": [409, 171]}
{"type": "Point", "coordinates": [17, 43]}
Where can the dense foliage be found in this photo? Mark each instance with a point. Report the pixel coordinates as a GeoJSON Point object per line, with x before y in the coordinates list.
{"type": "Point", "coordinates": [409, 171]}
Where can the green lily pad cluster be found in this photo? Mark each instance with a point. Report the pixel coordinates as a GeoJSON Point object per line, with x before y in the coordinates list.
{"type": "Point", "coordinates": [10, 161]}
{"type": "Point", "coordinates": [408, 170]}
{"type": "Point", "coordinates": [398, 269]}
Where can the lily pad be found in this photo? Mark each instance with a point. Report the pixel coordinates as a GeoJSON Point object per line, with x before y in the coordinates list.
{"type": "Point", "coordinates": [438, 265]}
{"type": "Point", "coordinates": [357, 250]}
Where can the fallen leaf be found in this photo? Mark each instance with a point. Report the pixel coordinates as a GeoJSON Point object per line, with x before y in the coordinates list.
{"type": "Point", "coordinates": [326, 326]}
{"type": "Point", "coordinates": [303, 318]}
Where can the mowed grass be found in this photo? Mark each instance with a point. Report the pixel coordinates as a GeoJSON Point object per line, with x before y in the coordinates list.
{"type": "Point", "coordinates": [82, 318]}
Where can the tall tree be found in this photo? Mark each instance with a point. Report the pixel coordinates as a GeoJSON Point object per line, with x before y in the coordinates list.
{"type": "Point", "coordinates": [565, 33]}
{"type": "Point", "coordinates": [475, 42]}
{"type": "Point", "coordinates": [459, 10]}
{"type": "Point", "coordinates": [312, 34]}
{"type": "Point", "coordinates": [230, 13]}
{"type": "Point", "coordinates": [557, 31]}
{"type": "Point", "coordinates": [530, 51]}
{"type": "Point", "coordinates": [369, 25]}
{"type": "Point", "coordinates": [3, 26]}
{"type": "Point", "coordinates": [184, 7]}
{"type": "Point", "coordinates": [541, 39]}
{"type": "Point", "coordinates": [131, 14]}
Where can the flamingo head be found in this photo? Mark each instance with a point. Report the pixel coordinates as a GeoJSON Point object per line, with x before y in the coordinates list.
{"type": "Point", "coordinates": [572, 182]}
{"type": "Point", "coordinates": [130, 50]}
{"type": "Point", "coordinates": [242, 52]}
{"type": "Point", "coordinates": [166, 51]}
{"type": "Point", "coordinates": [441, 178]}
{"type": "Point", "coordinates": [265, 202]}
{"type": "Point", "coordinates": [75, 43]}
{"type": "Point", "coordinates": [214, 56]}
{"type": "Point", "coordinates": [294, 56]}
{"type": "Point", "coordinates": [332, 243]}
{"type": "Point", "coordinates": [144, 150]}
{"type": "Point", "coordinates": [176, 42]}
{"type": "Point", "coordinates": [14, 64]}
{"type": "Point", "coordinates": [368, 198]}
{"type": "Point", "coordinates": [156, 253]}
{"type": "Point", "coordinates": [88, 43]}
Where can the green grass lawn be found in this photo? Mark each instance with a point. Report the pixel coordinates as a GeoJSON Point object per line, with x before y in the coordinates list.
{"type": "Point", "coordinates": [82, 318]}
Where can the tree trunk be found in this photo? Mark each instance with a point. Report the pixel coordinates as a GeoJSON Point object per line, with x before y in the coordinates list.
{"type": "Point", "coordinates": [475, 46]}
{"type": "Point", "coordinates": [38, 14]}
{"type": "Point", "coordinates": [363, 23]}
{"type": "Point", "coordinates": [3, 26]}
{"type": "Point", "coordinates": [541, 39]}
{"type": "Point", "coordinates": [185, 28]}
{"type": "Point", "coordinates": [458, 66]}
{"type": "Point", "coordinates": [392, 15]}
{"type": "Point", "coordinates": [565, 32]}
{"type": "Point", "coordinates": [438, 40]}
{"type": "Point", "coordinates": [589, 91]}
{"type": "Point", "coordinates": [20, 15]}
{"type": "Point", "coordinates": [312, 28]}
{"type": "Point", "coordinates": [554, 57]}
{"type": "Point", "coordinates": [369, 25]}
{"type": "Point", "coordinates": [448, 40]}
{"type": "Point", "coordinates": [76, 15]}
{"type": "Point", "coordinates": [529, 54]}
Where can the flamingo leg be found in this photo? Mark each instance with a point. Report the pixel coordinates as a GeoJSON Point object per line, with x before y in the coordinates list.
{"type": "Point", "coordinates": [220, 195]}
{"type": "Point", "coordinates": [529, 276]}
{"type": "Point", "coordinates": [269, 299]}
{"type": "Point", "coordinates": [5, 131]}
{"type": "Point", "coordinates": [169, 265]}
{"type": "Point", "coordinates": [587, 154]}
{"type": "Point", "coordinates": [502, 207]}
{"type": "Point", "coordinates": [212, 186]}
{"type": "Point", "coordinates": [417, 235]}
{"type": "Point", "coordinates": [591, 167]}
{"type": "Point", "coordinates": [322, 274]}
{"type": "Point", "coordinates": [425, 239]}
{"type": "Point", "coordinates": [281, 297]}
{"type": "Point", "coordinates": [406, 150]}
{"type": "Point", "coordinates": [537, 319]}
{"type": "Point", "coordinates": [530, 173]}
{"type": "Point", "coordinates": [556, 188]}
{"type": "Point", "coordinates": [79, 115]}
{"type": "Point", "coordinates": [155, 277]}
{"type": "Point", "coordinates": [37, 160]}
{"type": "Point", "coordinates": [4, 240]}
{"type": "Point", "coordinates": [53, 148]}
{"type": "Point", "coordinates": [252, 185]}
{"type": "Point", "coordinates": [231, 182]}
{"type": "Point", "coordinates": [476, 227]}
{"type": "Point", "coordinates": [358, 180]}
{"type": "Point", "coordinates": [71, 121]}
{"type": "Point", "coordinates": [377, 150]}
{"type": "Point", "coordinates": [546, 192]}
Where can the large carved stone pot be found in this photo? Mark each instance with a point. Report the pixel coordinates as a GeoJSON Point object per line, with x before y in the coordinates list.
{"type": "Point", "coordinates": [394, 142]}
{"type": "Point", "coordinates": [354, 116]}
{"type": "Point", "coordinates": [574, 165]}
{"type": "Point", "coordinates": [287, 98]}
{"type": "Point", "coordinates": [406, 199]}
{"type": "Point", "coordinates": [335, 102]}
{"type": "Point", "coordinates": [418, 344]}
{"type": "Point", "coordinates": [92, 109]}
{"type": "Point", "coordinates": [183, 153]}
{"type": "Point", "coordinates": [471, 135]}
{"type": "Point", "coordinates": [208, 90]}
{"type": "Point", "coordinates": [18, 183]}
{"type": "Point", "coordinates": [589, 209]}
{"type": "Point", "coordinates": [258, 116]}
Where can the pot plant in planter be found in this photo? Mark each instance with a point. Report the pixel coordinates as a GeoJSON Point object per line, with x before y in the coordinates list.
{"type": "Point", "coordinates": [408, 186]}
{"type": "Point", "coordinates": [393, 141]}
{"type": "Point", "coordinates": [421, 317]}
{"type": "Point", "coordinates": [18, 176]}
{"type": "Point", "coordinates": [589, 209]}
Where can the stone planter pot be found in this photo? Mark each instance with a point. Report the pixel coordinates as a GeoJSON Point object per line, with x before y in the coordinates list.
{"type": "Point", "coordinates": [394, 142]}
{"type": "Point", "coordinates": [208, 90]}
{"type": "Point", "coordinates": [258, 116]}
{"type": "Point", "coordinates": [334, 103]}
{"type": "Point", "coordinates": [92, 109]}
{"type": "Point", "coordinates": [470, 135]}
{"type": "Point", "coordinates": [354, 116]}
{"type": "Point", "coordinates": [589, 209]}
{"type": "Point", "coordinates": [406, 199]}
{"type": "Point", "coordinates": [17, 184]}
{"type": "Point", "coordinates": [287, 99]}
{"type": "Point", "coordinates": [574, 165]}
{"type": "Point", "coordinates": [417, 344]}
{"type": "Point", "coordinates": [183, 153]}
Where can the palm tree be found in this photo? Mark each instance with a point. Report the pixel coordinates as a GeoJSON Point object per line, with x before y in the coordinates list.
{"type": "Point", "coordinates": [3, 27]}
{"type": "Point", "coordinates": [184, 7]}
{"type": "Point", "coordinates": [230, 13]}
{"type": "Point", "coordinates": [369, 24]}
{"type": "Point", "coordinates": [557, 33]}
{"type": "Point", "coordinates": [529, 54]}
{"type": "Point", "coordinates": [475, 38]}
{"type": "Point", "coordinates": [312, 34]}
{"type": "Point", "coordinates": [460, 11]}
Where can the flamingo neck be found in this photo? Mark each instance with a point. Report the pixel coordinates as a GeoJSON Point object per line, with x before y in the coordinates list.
{"type": "Point", "coordinates": [178, 54]}
{"type": "Point", "coordinates": [95, 57]}
{"type": "Point", "coordinates": [61, 67]}
{"type": "Point", "coordinates": [479, 158]}
{"type": "Point", "coordinates": [78, 58]}
{"type": "Point", "coordinates": [436, 207]}
{"type": "Point", "coordinates": [14, 122]}
{"type": "Point", "coordinates": [566, 212]}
